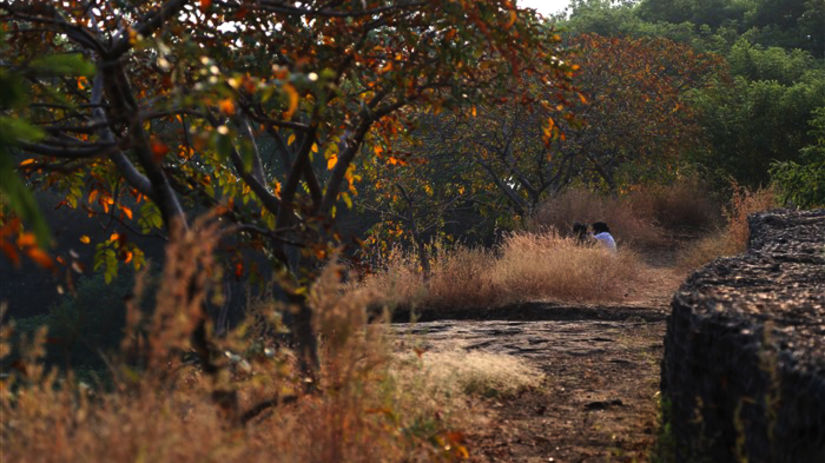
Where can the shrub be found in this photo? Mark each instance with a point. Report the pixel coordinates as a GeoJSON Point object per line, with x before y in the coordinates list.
{"type": "Point", "coordinates": [84, 326]}
{"type": "Point", "coordinates": [743, 203]}
{"type": "Point", "coordinates": [803, 184]}
{"type": "Point", "coordinates": [684, 205]}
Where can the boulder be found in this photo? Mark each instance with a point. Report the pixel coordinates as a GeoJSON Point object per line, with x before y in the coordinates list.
{"type": "Point", "coordinates": [743, 374]}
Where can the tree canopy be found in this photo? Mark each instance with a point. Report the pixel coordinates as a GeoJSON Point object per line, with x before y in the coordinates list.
{"type": "Point", "coordinates": [152, 113]}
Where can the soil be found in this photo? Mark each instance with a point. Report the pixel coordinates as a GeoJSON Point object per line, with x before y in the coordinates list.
{"type": "Point", "coordinates": [599, 400]}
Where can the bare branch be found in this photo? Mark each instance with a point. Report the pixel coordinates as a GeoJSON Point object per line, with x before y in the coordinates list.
{"type": "Point", "coordinates": [64, 151]}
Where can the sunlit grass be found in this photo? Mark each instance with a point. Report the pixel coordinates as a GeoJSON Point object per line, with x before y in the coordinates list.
{"type": "Point", "coordinates": [525, 267]}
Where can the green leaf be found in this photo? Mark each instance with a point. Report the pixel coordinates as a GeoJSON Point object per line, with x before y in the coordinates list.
{"type": "Point", "coordinates": [223, 144]}
{"type": "Point", "coordinates": [72, 64]}
{"type": "Point", "coordinates": [150, 217]}
{"type": "Point", "coordinates": [13, 129]}
{"type": "Point", "coordinates": [12, 91]}
{"type": "Point", "coordinates": [347, 200]}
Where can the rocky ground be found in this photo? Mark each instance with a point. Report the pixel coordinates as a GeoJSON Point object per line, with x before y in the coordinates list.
{"type": "Point", "coordinates": [599, 399]}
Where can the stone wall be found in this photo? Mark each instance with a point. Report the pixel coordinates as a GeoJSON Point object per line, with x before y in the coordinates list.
{"type": "Point", "coordinates": [743, 376]}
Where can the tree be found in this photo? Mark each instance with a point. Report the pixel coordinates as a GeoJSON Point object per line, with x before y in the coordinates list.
{"type": "Point", "coordinates": [637, 124]}
{"type": "Point", "coordinates": [756, 123]}
{"type": "Point", "coordinates": [474, 170]}
{"type": "Point", "coordinates": [234, 103]}
{"type": "Point", "coordinates": [13, 193]}
{"type": "Point", "coordinates": [803, 183]}
{"type": "Point", "coordinates": [626, 121]}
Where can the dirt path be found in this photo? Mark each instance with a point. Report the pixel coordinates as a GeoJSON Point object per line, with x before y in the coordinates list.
{"type": "Point", "coordinates": [599, 400]}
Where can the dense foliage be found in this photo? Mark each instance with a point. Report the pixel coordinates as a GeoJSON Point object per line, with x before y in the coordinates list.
{"type": "Point", "coordinates": [775, 53]}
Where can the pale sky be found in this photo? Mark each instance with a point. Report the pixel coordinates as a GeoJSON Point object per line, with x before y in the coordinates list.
{"type": "Point", "coordinates": [545, 7]}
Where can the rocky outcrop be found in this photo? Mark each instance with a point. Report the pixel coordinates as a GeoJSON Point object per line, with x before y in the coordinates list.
{"type": "Point", "coordinates": [743, 375]}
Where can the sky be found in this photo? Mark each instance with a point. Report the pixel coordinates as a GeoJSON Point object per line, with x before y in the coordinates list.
{"type": "Point", "coordinates": [545, 7]}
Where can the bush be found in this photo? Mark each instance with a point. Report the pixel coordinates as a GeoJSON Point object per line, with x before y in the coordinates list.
{"type": "Point", "coordinates": [803, 184]}
{"type": "Point", "coordinates": [85, 325]}
{"type": "Point", "coordinates": [682, 206]}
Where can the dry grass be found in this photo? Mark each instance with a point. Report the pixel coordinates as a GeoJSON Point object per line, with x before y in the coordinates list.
{"type": "Point", "coordinates": [681, 206]}
{"type": "Point", "coordinates": [733, 239]}
{"type": "Point", "coordinates": [629, 225]}
{"type": "Point", "coordinates": [164, 409]}
{"type": "Point", "coordinates": [641, 218]}
{"type": "Point", "coordinates": [454, 373]}
{"type": "Point", "coordinates": [525, 267]}
{"type": "Point", "coordinates": [545, 266]}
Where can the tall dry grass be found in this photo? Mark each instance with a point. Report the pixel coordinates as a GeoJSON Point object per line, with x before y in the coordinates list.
{"type": "Point", "coordinates": [733, 238]}
{"type": "Point", "coordinates": [546, 266]}
{"type": "Point", "coordinates": [643, 217]}
{"type": "Point", "coordinates": [242, 401]}
{"type": "Point", "coordinates": [684, 205]}
{"type": "Point", "coordinates": [627, 224]}
{"type": "Point", "coordinates": [524, 267]}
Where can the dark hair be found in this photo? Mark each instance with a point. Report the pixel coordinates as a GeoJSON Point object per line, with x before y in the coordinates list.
{"type": "Point", "coordinates": [580, 232]}
{"type": "Point", "coordinates": [600, 227]}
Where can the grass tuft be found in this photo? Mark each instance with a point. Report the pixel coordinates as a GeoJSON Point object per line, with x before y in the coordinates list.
{"type": "Point", "coordinates": [456, 372]}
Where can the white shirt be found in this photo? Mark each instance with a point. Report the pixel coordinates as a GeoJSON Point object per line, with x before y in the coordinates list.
{"type": "Point", "coordinates": [607, 240]}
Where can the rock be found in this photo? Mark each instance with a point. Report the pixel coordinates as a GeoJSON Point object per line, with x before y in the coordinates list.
{"type": "Point", "coordinates": [743, 374]}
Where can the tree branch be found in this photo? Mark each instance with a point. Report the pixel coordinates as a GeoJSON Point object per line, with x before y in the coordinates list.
{"type": "Point", "coordinates": [146, 26]}
{"type": "Point", "coordinates": [345, 158]}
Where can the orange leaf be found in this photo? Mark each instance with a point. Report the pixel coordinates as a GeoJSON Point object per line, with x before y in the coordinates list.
{"type": "Point", "coordinates": [292, 94]}
{"type": "Point", "coordinates": [227, 106]}
{"type": "Point", "coordinates": [26, 239]}
{"type": "Point", "coordinates": [511, 20]}
{"type": "Point", "coordinates": [332, 161]}
{"type": "Point", "coordinates": [10, 252]}
{"type": "Point", "coordinates": [114, 237]}
{"type": "Point", "coordinates": [26, 162]}
{"type": "Point", "coordinates": [238, 269]}
{"type": "Point", "coordinates": [127, 256]}
{"type": "Point", "coordinates": [41, 258]}
{"type": "Point", "coordinates": [159, 149]}
{"type": "Point", "coordinates": [85, 239]}
{"type": "Point", "coordinates": [126, 211]}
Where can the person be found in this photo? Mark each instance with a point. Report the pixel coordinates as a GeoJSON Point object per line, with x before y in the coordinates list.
{"type": "Point", "coordinates": [580, 233]}
{"type": "Point", "coordinates": [602, 233]}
